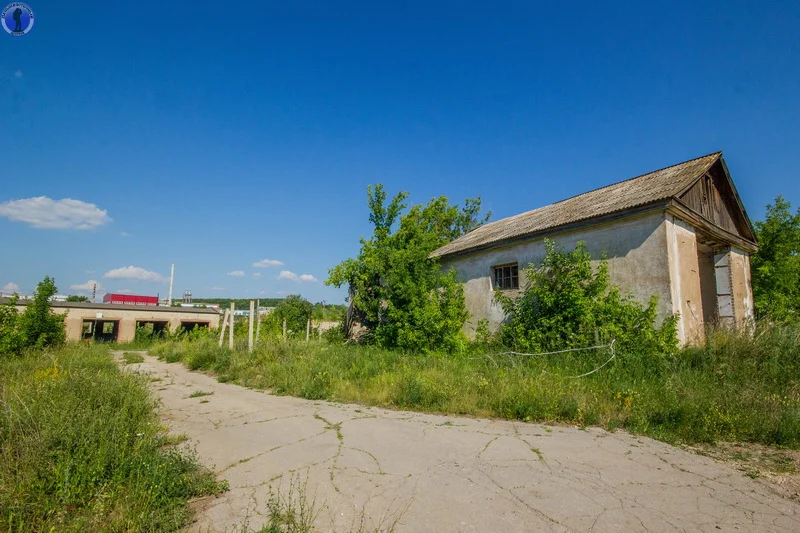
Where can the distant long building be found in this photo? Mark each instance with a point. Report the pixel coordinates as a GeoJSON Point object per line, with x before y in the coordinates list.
{"type": "Point", "coordinates": [129, 299]}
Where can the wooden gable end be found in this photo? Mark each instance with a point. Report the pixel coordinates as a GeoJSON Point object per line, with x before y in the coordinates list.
{"type": "Point", "coordinates": [714, 198]}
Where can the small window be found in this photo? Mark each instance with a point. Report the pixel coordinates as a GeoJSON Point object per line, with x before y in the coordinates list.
{"type": "Point", "coordinates": [506, 277]}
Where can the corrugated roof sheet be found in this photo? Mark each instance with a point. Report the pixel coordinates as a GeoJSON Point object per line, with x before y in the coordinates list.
{"type": "Point", "coordinates": [642, 190]}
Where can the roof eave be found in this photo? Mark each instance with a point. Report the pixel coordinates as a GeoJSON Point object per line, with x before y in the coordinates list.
{"type": "Point", "coordinates": [682, 211]}
{"type": "Point", "coordinates": [739, 201]}
{"type": "Point", "coordinates": [608, 217]}
{"type": "Point", "coordinates": [736, 196]}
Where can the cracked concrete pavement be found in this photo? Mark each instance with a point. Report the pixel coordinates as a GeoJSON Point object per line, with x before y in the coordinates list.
{"type": "Point", "coordinates": [444, 473]}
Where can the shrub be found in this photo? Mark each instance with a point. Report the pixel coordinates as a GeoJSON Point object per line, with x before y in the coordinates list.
{"type": "Point", "coordinates": [567, 304]}
{"type": "Point", "coordinates": [11, 338]}
{"type": "Point", "coordinates": [36, 326]}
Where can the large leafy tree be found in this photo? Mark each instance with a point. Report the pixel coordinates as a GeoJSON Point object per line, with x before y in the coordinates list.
{"type": "Point", "coordinates": [398, 292]}
{"type": "Point", "coordinates": [776, 266]}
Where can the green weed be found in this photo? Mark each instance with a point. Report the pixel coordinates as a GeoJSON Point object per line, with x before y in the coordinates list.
{"type": "Point", "coordinates": [132, 358]}
{"type": "Point", "coordinates": [82, 449]}
{"type": "Point", "coordinates": [737, 387]}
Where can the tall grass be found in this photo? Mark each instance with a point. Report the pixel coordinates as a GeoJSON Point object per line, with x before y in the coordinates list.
{"type": "Point", "coordinates": [81, 448]}
{"type": "Point", "coordinates": [737, 387]}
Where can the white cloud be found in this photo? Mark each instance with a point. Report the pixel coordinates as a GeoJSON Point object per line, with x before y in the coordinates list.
{"type": "Point", "coordinates": [265, 263]}
{"type": "Point", "coordinates": [217, 288]}
{"type": "Point", "coordinates": [124, 234]}
{"type": "Point", "coordinates": [236, 273]}
{"type": "Point", "coordinates": [18, 74]}
{"type": "Point", "coordinates": [288, 274]}
{"type": "Point", "coordinates": [134, 272]}
{"type": "Point", "coordinates": [10, 287]}
{"type": "Point", "coordinates": [90, 272]}
{"type": "Point", "coordinates": [124, 291]}
{"type": "Point", "coordinates": [256, 275]}
{"type": "Point", "coordinates": [87, 286]}
{"type": "Point", "coordinates": [45, 213]}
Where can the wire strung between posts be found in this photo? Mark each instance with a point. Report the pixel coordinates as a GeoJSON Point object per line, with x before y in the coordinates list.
{"type": "Point", "coordinates": [560, 351]}
{"type": "Point", "coordinates": [598, 347]}
{"type": "Point", "coordinates": [613, 355]}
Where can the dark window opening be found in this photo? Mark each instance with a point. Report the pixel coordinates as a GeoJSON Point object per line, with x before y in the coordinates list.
{"type": "Point", "coordinates": [149, 329]}
{"type": "Point", "coordinates": [189, 326]}
{"type": "Point", "coordinates": [506, 277]}
{"type": "Point", "coordinates": [101, 330]}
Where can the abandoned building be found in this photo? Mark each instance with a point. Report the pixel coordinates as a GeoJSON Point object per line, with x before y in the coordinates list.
{"type": "Point", "coordinates": [680, 233]}
{"type": "Point", "coordinates": [118, 322]}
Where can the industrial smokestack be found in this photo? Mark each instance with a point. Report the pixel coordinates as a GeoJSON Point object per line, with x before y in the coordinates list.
{"type": "Point", "coordinates": [171, 279]}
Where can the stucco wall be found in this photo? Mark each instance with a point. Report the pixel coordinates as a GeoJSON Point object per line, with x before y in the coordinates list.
{"type": "Point", "coordinates": [742, 289]}
{"type": "Point", "coordinates": [687, 292]}
{"type": "Point", "coordinates": [73, 321]}
{"type": "Point", "coordinates": [637, 262]}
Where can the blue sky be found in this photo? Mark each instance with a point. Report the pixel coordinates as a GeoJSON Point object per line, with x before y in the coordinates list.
{"type": "Point", "coordinates": [218, 135]}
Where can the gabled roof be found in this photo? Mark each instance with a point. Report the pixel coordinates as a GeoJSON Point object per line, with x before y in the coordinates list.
{"type": "Point", "coordinates": [647, 189]}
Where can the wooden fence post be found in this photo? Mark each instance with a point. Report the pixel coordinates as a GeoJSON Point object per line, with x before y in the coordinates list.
{"type": "Point", "coordinates": [308, 329]}
{"type": "Point", "coordinates": [284, 329]}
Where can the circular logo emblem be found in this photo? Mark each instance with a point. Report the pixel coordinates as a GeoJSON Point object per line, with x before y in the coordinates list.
{"type": "Point", "coordinates": [17, 19]}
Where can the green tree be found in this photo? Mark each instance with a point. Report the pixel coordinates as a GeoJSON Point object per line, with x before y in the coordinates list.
{"type": "Point", "coordinates": [296, 310]}
{"type": "Point", "coordinates": [398, 292]}
{"type": "Point", "coordinates": [36, 326]}
{"type": "Point", "coordinates": [11, 339]}
{"type": "Point", "coordinates": [39, 327]}
{"type": "Point", "coordinates": [77, 298]}
{"type": "Point", "coordinates": [566, 303]}
{"type": "Point", "coordinates": [776, 265]}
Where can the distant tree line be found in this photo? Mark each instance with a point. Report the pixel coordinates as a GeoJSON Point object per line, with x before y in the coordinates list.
{"type": "Point", "coordinates": [318, 311]}
{"type": "Point", "coordinates": [240, 303]}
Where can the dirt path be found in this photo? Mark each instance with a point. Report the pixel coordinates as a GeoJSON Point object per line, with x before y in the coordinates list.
{"type": "Point", "coordinates": [438, 473]}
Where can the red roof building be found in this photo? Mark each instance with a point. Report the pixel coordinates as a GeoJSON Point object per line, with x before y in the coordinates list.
{"type": "Point", "coordinates": [129, 299]}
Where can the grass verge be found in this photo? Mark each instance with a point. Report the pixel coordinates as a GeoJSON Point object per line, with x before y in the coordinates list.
{"type": "Point", "coordinates": [81, 448]}
{"type": "Point", "coordinates": [737, 387]}
{"type": "Point", "coordinates": [132, 358]}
